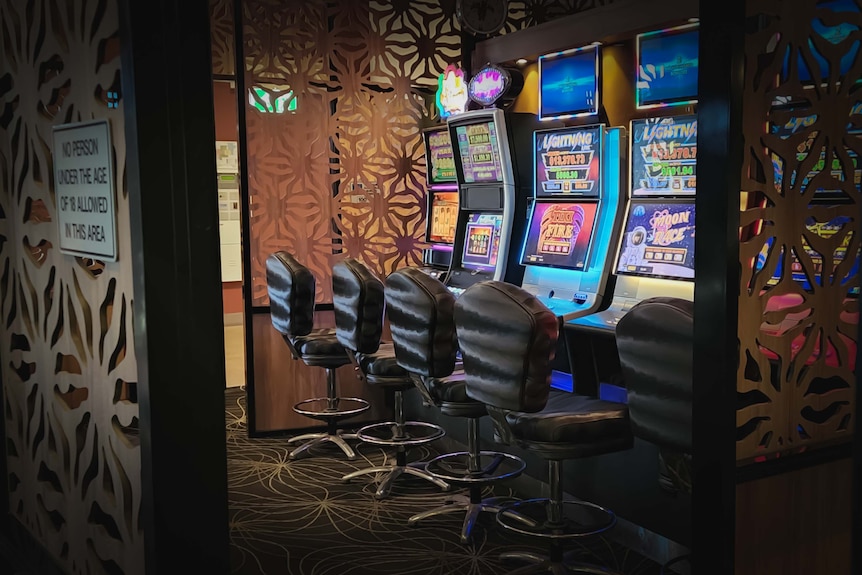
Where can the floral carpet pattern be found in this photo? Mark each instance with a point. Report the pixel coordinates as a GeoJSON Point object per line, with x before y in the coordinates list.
{"type": "Point", "coordinates": [299, 518]}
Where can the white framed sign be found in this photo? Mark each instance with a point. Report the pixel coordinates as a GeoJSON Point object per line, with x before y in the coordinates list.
{"type": "Point", "coordinates": [84, 186]}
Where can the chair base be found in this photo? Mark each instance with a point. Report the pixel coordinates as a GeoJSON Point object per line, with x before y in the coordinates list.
{"type": "Point", "coordinates": [315, 439]}
{"type": "Point", "coordinates": [576, 519]}
{"type": "Point", "coordinates": [548, 564]}
{"type": "Point", "coordinates": [472, 507]}
{"type": "Point", "coordinates": [393, 472]}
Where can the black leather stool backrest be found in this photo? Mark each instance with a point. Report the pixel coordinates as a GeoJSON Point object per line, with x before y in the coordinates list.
{"type": "Point", "coordinates": [357, 296]}
{"type": "Point", "coordinates": [655, 344]}
{"type": "Point", "coordinates": [508, 339]}
{"type": "Point", "coordinates": [291, 294]}
{"type": "Point", "coordinates": [421, 318]}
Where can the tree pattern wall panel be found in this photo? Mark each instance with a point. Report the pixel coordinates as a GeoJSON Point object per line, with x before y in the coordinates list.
{"type": "Point", "coordinates": [345, 174]}
{"type": "Point", "coordinates": [798, 344]}
{"type": "Point", "coordinates": [68, 364]}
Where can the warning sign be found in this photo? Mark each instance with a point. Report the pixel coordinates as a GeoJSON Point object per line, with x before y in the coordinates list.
{"type": "Point", "coordinates": [84, 184]}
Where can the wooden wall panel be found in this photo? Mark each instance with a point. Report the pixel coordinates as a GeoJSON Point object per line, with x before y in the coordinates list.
{"type": "Point", "coordinates": [796, 523]}
{"type": "Point", "coordinates": [290, 381]}
{"type": "Point", "coordinates": [69, 370]}
{"type": "Point", "coordinates": [797, 347]}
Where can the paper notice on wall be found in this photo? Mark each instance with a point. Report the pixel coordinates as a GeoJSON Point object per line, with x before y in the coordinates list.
{"type": "Point", "coordinates": [84, 185]}
{"type": "Point", "coordinates": [226, 158]}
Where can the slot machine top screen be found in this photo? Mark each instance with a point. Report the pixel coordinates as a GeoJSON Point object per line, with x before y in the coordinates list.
{"type": "Point", "coordinates": [479, 152]}
{"type": "Point", "coordinates": [482, 242]}
{"type": "Point", "coordinates": [560, 234]}
{"type": "Point", "coordinates": [667, 63]}
{"type": "Point", "coordinates": [658, 240]}
{"type": "Point", "coordinates": [569, 83]}
{"type": "Point", "coordinates": [568, 162]}
{"type": "Point", "coordinates": [439, 158]}
{"type": "Point", "coordinates": [664, 156]}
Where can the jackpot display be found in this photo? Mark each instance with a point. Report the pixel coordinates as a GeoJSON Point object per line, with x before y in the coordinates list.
{"type": "Point", "coordinates": [567, 162]}
{"type": "Point", "coordinates": [482, 242]}
{"type": "Point", "coordinates": [658, 240]}
{"type": "Point", "coordinates": [569, 83]}
{"type": "Point", "coordinates": [560, 234]}
{"type": "Point", "coordinates": [664, 156]}
{"type": "Point", "coordinates": [479, 149]}
{"type": "Point", "coordinates": [443, 217]}
{"type": "Point", "coordinates": [440, 158]}
{"type": "Point", "coordinates": [667, 67]}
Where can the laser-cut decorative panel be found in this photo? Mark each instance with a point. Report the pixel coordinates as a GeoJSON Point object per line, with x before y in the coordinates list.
{"type": "Point", "coordinates": [344, 172]}
{"type": "Point", "coordinates": [798, 308]}
{"type": "Point", "coordinates": [69, 368]}
{"type": "Point", "coordinates": [222, 34]}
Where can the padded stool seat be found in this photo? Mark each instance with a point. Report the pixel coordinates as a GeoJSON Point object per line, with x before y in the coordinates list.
{"type": "Point", "coordinates": [382, 364]}
{"type": "Point", "coordinates": [569, 427]}
{"type": "Point", "coordinates": [320, 348]}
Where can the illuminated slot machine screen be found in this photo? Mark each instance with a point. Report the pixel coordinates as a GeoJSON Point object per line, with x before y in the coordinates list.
{"type": "Point", "coordinates": [442, 217]}
{"type": "Point", "coordinates": [560, 234]}
{"type": "Point", "coordinates": [826, 230]}
{"type": "Point", "coordinates": [569, 83]}
{"type": "Point", "coordinates": [664, 156]}
{"type": "Point", "coordinates": [568, 162]}
{"type": "Point", "coordinates": [667, 63]}
{"type": "Point", "coordinates": [482, 242]}
{"type": "Point", "coordinates": [658, 240]}
{"type": "Point", "coordinates": [479, 152]}
{"type": "Point", "coordinates": [439, 157]}
{"type": "Point", "coordinates": [832, 26]}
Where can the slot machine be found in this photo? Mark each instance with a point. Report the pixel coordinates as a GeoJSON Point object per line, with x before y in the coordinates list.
{"type": "Point", "coordinates": [578, 197]}
{"type": "Point", "coordinates": [487, 195]}
{"type": "Point", "coordinates": [655, 256]}
{"type": "Point", "coordinates": [442, 202]}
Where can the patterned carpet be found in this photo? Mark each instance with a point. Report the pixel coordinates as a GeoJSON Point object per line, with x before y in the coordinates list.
{"type": "Point", "coordinates": [299, 518]}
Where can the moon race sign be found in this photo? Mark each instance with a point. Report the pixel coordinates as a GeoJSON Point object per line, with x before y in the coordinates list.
{"type": "Point", "coordinates": [84, 185]}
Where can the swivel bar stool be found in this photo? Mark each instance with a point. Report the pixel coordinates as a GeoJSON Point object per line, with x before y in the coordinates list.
{"type": "Point", "coordinates": [508, 340]}
{"type": "Point", "coordinates": [357, 296]}
{"type": "Point", "coordinates": [655, 343]}
{"type": "Point", "coordinates": [291, 294]}
{"type": "Point", "coordinates": [420, 311]}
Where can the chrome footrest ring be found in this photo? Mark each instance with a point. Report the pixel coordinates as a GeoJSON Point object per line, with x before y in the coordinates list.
{"type": "Point", "coordinates": [578, 519]}
{"type": "Point", "coordinates": [496, 465]}
{"type": "Point", "coordinates": [324, 408]}
{"type": "Point", "coordinates": [413, 433]}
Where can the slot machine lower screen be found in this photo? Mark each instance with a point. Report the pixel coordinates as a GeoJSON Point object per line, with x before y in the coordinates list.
{"type": "Point", "coordinates": [482, 242]}
{"type": "Point", "coordinates": [559, 235]}
{"type": "Point", "coordinates": [658, 240]}
{"type": "Point", "coordinates": [443, 217]}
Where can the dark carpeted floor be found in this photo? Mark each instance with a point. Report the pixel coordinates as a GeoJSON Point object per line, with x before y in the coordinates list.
{"type": "Point", "coordinates": [299, 518]}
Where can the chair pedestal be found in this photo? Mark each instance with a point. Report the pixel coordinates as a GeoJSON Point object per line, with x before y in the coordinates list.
{"type": "Point", "coordinates": [400, 434]}
{"type": "Point", "coordinates": [330, 409]}
{"type": "Point", "coordinates": [557, 521]}
{"type": "Point", "coordinates": [475, 469]}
